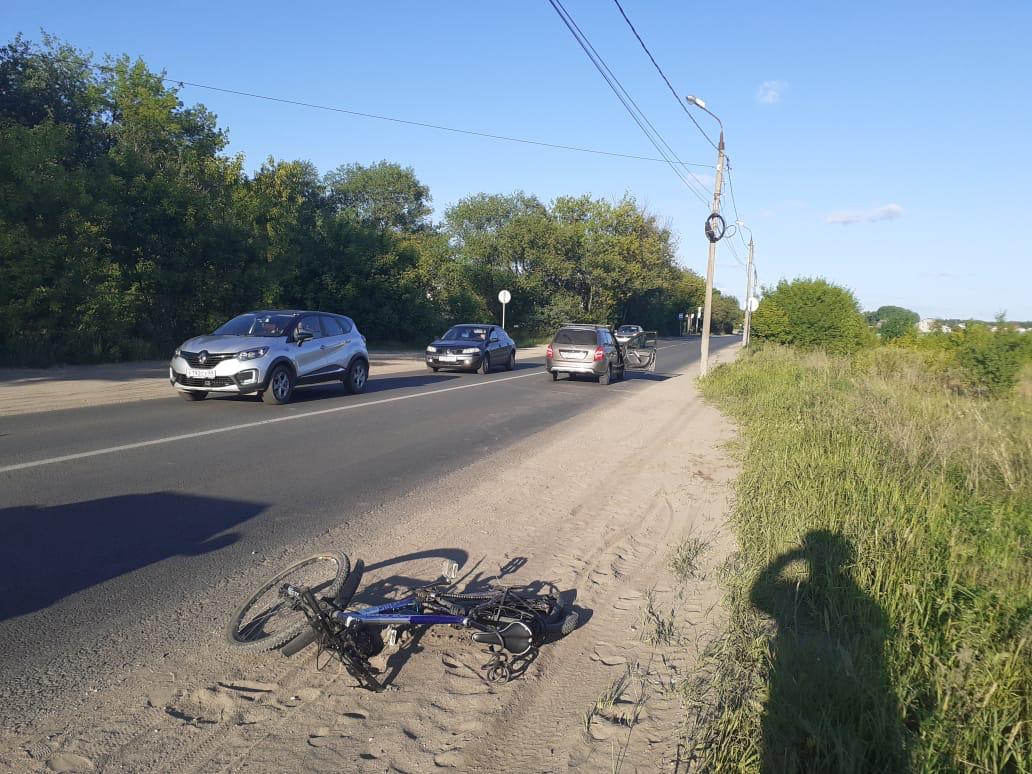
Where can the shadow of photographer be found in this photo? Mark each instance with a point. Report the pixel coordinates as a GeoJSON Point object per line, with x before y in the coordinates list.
{"type": "Point", "coordinates": [830, 705]}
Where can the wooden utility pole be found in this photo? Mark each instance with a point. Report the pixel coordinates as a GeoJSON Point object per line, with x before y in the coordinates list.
{"type": "Point", "coordinates": [708, 310]}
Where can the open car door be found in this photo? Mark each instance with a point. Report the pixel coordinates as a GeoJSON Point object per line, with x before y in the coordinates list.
{"type": "Point", "coordinates": [639, 353]}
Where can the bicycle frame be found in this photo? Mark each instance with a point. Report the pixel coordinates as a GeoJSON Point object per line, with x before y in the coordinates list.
{"type": "Point", "coordinates": [405, 611]}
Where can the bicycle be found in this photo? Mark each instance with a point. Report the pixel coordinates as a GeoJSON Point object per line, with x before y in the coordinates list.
{"type": "Point", "coordinates": [510, 622]}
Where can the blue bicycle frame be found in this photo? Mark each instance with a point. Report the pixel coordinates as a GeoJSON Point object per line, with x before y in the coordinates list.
{"type": "Point", "coordinates": [404, 611]}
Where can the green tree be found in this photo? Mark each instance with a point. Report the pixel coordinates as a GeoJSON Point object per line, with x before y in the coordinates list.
{"type": "Point", "coordinates": [811, 314]}
{"type": "Point", "coordinates": [726, 314]}
{"type": "Point", "coordinates": [893, 322]}
{"type": "Point", "coordinates": [384, 195]}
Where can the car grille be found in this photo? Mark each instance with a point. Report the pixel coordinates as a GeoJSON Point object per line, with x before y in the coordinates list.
{"type": "Point", "coordinates": [218, 381]}
{"type": "Point", "coordinates": [213, 359]}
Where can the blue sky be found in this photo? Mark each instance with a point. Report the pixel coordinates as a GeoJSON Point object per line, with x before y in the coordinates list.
{"type": "Point", "coordinates": [883, 146]}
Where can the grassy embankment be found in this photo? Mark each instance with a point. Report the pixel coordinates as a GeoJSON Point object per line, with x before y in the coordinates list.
{"type": "Point", "coordinates": [880, 602]}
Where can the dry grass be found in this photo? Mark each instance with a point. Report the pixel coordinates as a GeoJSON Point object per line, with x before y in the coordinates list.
{"type": "Point", "coordinates": [881, 604]}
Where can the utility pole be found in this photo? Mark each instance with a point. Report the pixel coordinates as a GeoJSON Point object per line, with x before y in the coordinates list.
{"type": "Point", "coordinates": [748, 297]}
{"type": "Point", "coordinates": [748, 288]}
{"type": "Point", "coordinates": [707, 313]}
{"type": "Point", "coordinates": [713, 237]}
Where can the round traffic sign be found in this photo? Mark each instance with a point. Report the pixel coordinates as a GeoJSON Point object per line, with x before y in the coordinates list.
{"type": "Point", "coordinates": [754, 304]}
{"type": "Point", "coordinates": [504, 296]}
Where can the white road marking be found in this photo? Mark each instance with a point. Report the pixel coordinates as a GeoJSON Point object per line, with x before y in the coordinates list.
{"type": "Point", "coordinates": [245, 425]}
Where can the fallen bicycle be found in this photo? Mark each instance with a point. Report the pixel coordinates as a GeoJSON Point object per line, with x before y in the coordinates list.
{"type": "Point", "coordinates": [307, 602]}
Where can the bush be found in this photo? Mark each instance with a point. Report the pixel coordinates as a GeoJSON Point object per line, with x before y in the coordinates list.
{"type": "Point", "coordinates": [991, 359]}
{"type": "Point", "coordinates": [812, 314]}
{"type": "Point", "coordinates": [974, 360]}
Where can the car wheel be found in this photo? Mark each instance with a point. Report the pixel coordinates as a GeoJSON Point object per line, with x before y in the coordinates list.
{"type": "Point", "coordinates": [435, 369]}
{"type": "Point", "coordinates": [357, 376]}
{"type": "Point", "coordinates": [485, 364]}
{"type": "Point", "coordinates": [512, 362]}
{"type": "Point", "coordinates": [281, 386]}
{"type": "Point", "coordinates": [555, 376]}
{"type": "Point", "coordinates": [193, 395]}
{"type": "Point", "coordinates": [607, 376]}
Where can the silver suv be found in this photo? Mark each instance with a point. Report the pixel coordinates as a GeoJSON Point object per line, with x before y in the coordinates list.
{"type": "Point", "coordinates": [593, 350]}
{"type": "Point", "coordinates": [271, 353]}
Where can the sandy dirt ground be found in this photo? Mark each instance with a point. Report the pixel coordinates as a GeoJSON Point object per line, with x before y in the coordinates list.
{"type": "Point", "coordinates": [596, 507]}
{"type": "Point", "coordinates": [29, 390]}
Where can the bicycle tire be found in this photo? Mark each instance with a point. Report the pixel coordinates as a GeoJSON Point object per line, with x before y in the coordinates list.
{"type": "Point", "coordinates": [309, 635]}
{"type": "Point", "coordinates": [248, 643]}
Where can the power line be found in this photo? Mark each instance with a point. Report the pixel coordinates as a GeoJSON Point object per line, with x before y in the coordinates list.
{"type": "Point", "coordinates": [624, 96]}
{"type": "Point", "coordinates": [422, 124]}
{"type": "Point", "coordinates": [734, 204]}
{"type": "Point", "coordinates": [673, 91]}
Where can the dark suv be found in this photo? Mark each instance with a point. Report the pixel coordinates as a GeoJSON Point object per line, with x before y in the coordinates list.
{"type": "Point", "coordinates": [592, 350]}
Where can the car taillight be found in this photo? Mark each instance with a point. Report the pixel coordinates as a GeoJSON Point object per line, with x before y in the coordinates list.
{"type": "Point", "coordinates": [548, 351]}
{"type": "Point", "coordinates": [599, 353]}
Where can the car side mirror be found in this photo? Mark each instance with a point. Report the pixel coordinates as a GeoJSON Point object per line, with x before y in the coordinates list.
{"type": "Point", "coordinates": [303, 336]}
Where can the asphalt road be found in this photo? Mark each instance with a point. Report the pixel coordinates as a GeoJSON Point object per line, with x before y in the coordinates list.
{"type": "Point", "coordinates": [112, 515]}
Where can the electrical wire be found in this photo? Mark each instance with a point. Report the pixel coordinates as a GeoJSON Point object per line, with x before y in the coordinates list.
{"type": "Point", "coordinates": [624, 97]}
{"type": "Point", "coordinates": [663, 75]}
{"type": "Point", "coordinates": [423, 124]}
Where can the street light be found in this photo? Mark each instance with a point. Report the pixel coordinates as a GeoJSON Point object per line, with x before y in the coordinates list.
{"type": "Point", "coordinates": [702, 105]}
{"type": "Point", "coordinates": [748, 288]}
{"type": "Point", "coordinates": [708, 313]}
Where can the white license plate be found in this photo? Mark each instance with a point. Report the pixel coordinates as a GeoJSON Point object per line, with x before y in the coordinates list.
{"type": "Point", "coordinates": [448, 358]}
{"type": "Point", "coordinates": [572, 355]}
{"type": "Point", "coordinates": [200, 373]}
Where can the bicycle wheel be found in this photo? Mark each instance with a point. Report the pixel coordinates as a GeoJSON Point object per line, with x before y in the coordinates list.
{"type": "Point", "coordinates": [341, 599]}
{"type": "Point", "coordinates": [267, 619]}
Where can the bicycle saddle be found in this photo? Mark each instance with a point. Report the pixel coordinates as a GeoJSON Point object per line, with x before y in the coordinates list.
{"type": "Point", "coordinates": [515, 637]}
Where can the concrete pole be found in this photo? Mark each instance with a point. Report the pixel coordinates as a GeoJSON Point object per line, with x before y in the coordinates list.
{"type": "Point", "coordinates": [748, 296]}
{"type": "Point", "coordinates": [707, 313]}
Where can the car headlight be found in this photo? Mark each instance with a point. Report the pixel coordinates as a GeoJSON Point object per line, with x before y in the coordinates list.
{"type": "Point", "coordinates": [470, 350]}
{"type": "Point", "coordinates": [252, 354]}
{"type": "Point", "coordinates": [431, 348]}
{"type": "Point", "coordinates": [176, 352]}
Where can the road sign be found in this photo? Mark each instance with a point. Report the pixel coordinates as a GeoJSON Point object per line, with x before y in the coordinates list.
{"type": "Point", "coordinates": [505, 297]}
{"type": "Point", "coordinates": [680, 315]}
{"type": "Point", "coordinates": [754, 303]}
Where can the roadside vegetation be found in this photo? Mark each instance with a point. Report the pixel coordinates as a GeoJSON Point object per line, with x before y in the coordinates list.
{"type": "Point", "coordinates": [126, 227]}
{"type": "Point", "coordinates": [881, 601]}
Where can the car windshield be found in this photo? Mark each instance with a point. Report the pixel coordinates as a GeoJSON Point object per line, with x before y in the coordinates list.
{"type": "Point", "coordinates": [584, 336]}
{"type": "Point", "coordinates": [466, 333]}
{"type": "Point", "coordinates": [269, 325]}
{"type": "Point", "coordinates": [628, 329]}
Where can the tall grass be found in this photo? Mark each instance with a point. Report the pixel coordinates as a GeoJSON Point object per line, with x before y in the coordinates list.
{"type": "Point", "coordinates": [881, 602]}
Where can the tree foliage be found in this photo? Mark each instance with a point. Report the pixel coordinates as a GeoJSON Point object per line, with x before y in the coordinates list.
{"type": "Point", "coordinates": [811, 314]}
{"type": "Point", "coordinates": [893, 321]}
{"type": "Point", "coordinates": [126, 228]}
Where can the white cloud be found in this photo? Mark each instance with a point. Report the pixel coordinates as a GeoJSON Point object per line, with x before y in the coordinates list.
{"type": "Point", "coordinates": [770, 92]}
{"type": "Point", "coordinates": [850, 217]}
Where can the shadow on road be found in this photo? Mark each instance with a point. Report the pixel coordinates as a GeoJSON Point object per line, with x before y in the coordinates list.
{"type": "Point", "coordinates": [47, 554]}
{"type": "Point", "coordinates": [830, 706]}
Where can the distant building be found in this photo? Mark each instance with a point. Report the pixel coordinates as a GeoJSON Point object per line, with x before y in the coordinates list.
{"type": "Point", "coordinates": [927, 326]}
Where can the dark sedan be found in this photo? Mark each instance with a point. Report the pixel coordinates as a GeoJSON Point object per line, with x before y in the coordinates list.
{"type": "Point", "coordinates": [472, 347]}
